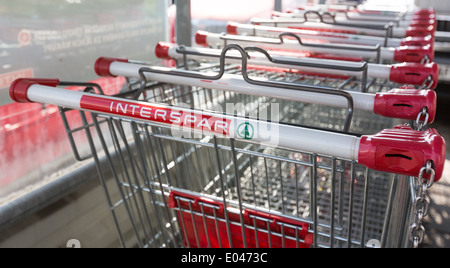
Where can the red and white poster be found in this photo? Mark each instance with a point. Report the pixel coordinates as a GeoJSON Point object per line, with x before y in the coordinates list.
{"type": "Point", "coordinates": [7, 78]}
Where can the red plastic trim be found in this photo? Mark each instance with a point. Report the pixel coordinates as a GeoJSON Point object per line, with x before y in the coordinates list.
{"type": "Point", "coordinates": [19, 88]}
{"type": "Point", "coordinates": [415, 73]}
{"type": "Point", "coordinates": [413, 53]}
{"type": "Point", "coordinates": [162, 50]}
{"type": "Point", "coordinates": [424, 16]}
{"type": "Point", "coordinates": [423, 23]}
{"type": "Point", "coordinates": [418, 41]}
{"type": "Point", "coordinates": [206, 229]}
{"type": "Point", "coordinates": [406, 103]}
{"type": "Point", "coordinates": [420, 31]}
{"type": "Point", "coordinates": [425, 11]}
{"type": "Point", "coordinates": [201, 38]}
{"type": "Point", "coordinates": [403, 151]}
{"type": "Point", "coordinates": [232, 28]}
{"type": "Point", "coordinates": [102, 65]}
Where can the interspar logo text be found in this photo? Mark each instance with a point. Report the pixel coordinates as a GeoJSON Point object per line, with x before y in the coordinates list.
{"type": "Point", "coordinates": [173, 117]}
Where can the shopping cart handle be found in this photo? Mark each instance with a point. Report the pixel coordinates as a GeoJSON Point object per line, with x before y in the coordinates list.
{"type": "Point", "coordinates": [102, 66]}
{"type": "Point", "coordinates": [18, 89]}
{"type": "Point", "coordinates": [413, 53]}
{"type": "Point", "coordinates": [403, 150]}
{"type": "Point", "coordinates": [406, 103]}
{"type": "Point", "coordinates": [416, 74]}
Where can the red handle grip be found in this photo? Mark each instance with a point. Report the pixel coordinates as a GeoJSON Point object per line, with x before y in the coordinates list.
{"type": "Point", "coordinates": [413, 53]}
{"type": "Point", "coordinates": [406, 103]}
{"type": "Point", "coordinates": [420, 31]}
{"type": "Point", "coordinates": [232, 28]}
{"type": "Point", "coordinates": [415, 74]}
{"type": "Point", "coordinates": [424, 17]}
{"type": "Point", "coordinates": [201, 38]}
{"type": "Point", "coordinates": [425, 11]}
{"type": "Point", "coordinates": [19, 88]}
{"type": "Point", "coordinates": [403, 151]}
{"type": "Point", "coordinates": [162, 50]}
{"type": "Point", "coordinates": [424, 23]}
{"type": "Point", "coordinates": [102, 65]}
{"type": "Point", "coordinates": [418, 41]}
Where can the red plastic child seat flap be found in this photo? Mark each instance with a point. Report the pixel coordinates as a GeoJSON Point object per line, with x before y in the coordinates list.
{"type": "Point", "coordinates": [203, 224]}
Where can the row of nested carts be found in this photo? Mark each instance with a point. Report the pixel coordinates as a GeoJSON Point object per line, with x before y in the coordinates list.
{"type": "Point", "coordinates": [307, 129]}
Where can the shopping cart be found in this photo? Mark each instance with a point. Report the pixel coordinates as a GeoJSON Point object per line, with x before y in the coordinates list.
{"type": "Point", "coordinates": [285, 87]}
{"type": "Point", "coordinates": [246, 182]}
{"type": "Point", "coordinates": [243, 182]}
{"type": "Point", "coordinates": [411, 50]}
{"type": "Point", "coordinates": [404, 18]}
{"type": "Point", "coordinates": [347, 16]}
{"type": "Point", "coordinates": [327, 22]}
{"type": "Point", "coordinates": [274, 32]}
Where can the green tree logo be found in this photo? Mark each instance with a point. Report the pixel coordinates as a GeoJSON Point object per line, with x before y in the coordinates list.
{"type": "Point", "coordinates": [246, 131]}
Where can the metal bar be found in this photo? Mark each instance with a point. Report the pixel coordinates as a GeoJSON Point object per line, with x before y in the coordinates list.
{"type": "Point", "coordinates": [154, 151]}
{"type": "Point", "coordinates": [222, 186]}
{"type": "Point", "coordinates": [314, 206]}
{"type": "Point", "coordinates": [113, 170]}
{"type": "Point", "coordinates": [205, 226]}
{"type": "Point", "coordinates": [238, 191]}
{"type": "Point", "coordinates": [365, 205]}
{"type": "Point", "coordinates": [183, 22]}
{"type": "Point", "coordinates": [351, 206]}
{"type": "Point", "coordinates": [278, 5]}
{"type": "Point", "coordinates": [127, 173]}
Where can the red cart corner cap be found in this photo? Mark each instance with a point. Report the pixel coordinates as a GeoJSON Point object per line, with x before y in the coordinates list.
{"type": "Point", "coordinates": [424, 23]}
{"type": "Point", "coordinates": [102, 66]}
{"type": "Point", "coordinates": [201, 38]}
{"type": "Point", "coordinates": [232, 28]}
{"type": "Point", "coordinates": [418, 41]}
{"type": "Point", "coordinates": [403, 151]}
{"type": "Point", "coordinates": [406, 103]}
{"type": "Point", "coordinates": [413, 53]}
{"type": "Point", "coordinates": [162, 50]}
{"type": "Point", "coordinates": [416, 74]}
{"type": "Point", "coordinates": [420, 30]}
{"type": "Point", "coordinates": [19, 88]}
{"type": "Point", "coordinates": [423, 16]}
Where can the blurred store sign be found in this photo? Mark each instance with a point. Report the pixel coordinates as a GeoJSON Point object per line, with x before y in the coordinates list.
{"type": "Point", "coordinates": [7, 78]}
{"type": "Point", "coordinates": [62, 39]}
